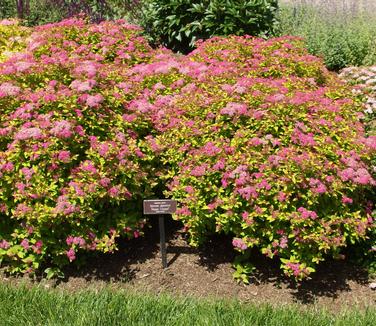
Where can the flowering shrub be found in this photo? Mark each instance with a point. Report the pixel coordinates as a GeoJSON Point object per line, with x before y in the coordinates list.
{"type": "Point", "coordinates": [12, 37]}
{"type": "Point", "coordinates": [363, 81]}
{"type": "Point", "coordinates": [261, 142]}
{"type": "Point", "coordinates": [255, 139]}
{"type": "Point", "coordinates": [71, 168]}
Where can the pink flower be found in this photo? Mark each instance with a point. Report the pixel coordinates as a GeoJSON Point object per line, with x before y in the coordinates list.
{"type": "Point", "coordinates": [198, 171]}
{"type": "Point", "coordinates": [83, 86]}
{"type": "Point", "coordinates": [20, 187]}
{"type": "Point", "coordinates": [363, 177]}
{"type": "Point", "coordinates": [258, 210]}
{"type": "Point", "coordinates": [114, 191]}
{"type": "Point", "coordinates": [281, 196]}
{"type": "Point", "coordinates": [295, 267]}
{"type": "Point", "coordinates": [94, 100]}
{"type": "Point", "coordinates": [77, 188]}
{"type": "Point", "coordinates": [210, 149]}
{"type": "Point", "coordinates": [22, 66]}
{"type": "Point", "coordinates": [220, 165]}
{"type": "Point", "coordinates": [234, 108]}
{"type": "Point", "coordinates": [104, 182]}
{"type": "Point", "coordinates": [62, 129]}
{"type": "Point", "coordinates": [8, 89]}
{"type": "Point", "coordinates": [8, 22]}
{"type": "Point", "coordinates": [4, 244]}
{"type": "Point", "coordinates": [88, 68]}
{"type": "Point", "coordinates": [264, 185]}
{"type": "Point", "coordinates": [29, 133]}
{"type": "Point", "coordinates": [347, 174]}
{"type": "Point", "coordinates": [248, 192]}
{"type": "Point", "coordinates": [258, 115]}
{"type": "Point", "coordinates": [64, 206]}
{"type": "Point", "coordinates": [245, 215]}
{"type": "Point", "coordinates": [79, 241]}
{"type": "Point", "coordinates": [88, 166]}
{"type": "Point", "coordinates": [371, 142]}
{"type": "Point", "coordinates": [346, 200]}
{"type": "Point", "coordinates": [22, 209]}
{"type": "Point", "coordinates": [25, 244]}
{"type": "Point", "coordinates": [184, 211]}
{"type": "Point", "coordinates": [239, 244]}
{"type": "Point", "coordinates": [189, 189]}
{"type": "Point", "coordinates": [103, 149]}
{"type": "Point", "coordinates": [255, 141]}
{"type": "Point", "coordinates": [71, 254]}
{"type": "Point", "coordinates": [7, 167]}
{"type": "Point", "coordinates": [317, 186]}
{"type": "Point", "coordinates": [69, 240]}
{"type": "Point", "coordinates": [129, 117]}
{"type": "Point", "coordinates": [275, 98]}
{"type": "Point", "coordinates": [80, 130]}
{"type": "Point", "coordinates": [283, 243]}
{"type": "Point", "coordinates": [37, 248]}
{"type": "Point", "coordinates": [307, 214]}
{"type": "Point", "coordinates": [139, 153]}
{"type": "Point", "coordinates": [64, 156]}
{"type": "Point", "coordinates": [299, 137]}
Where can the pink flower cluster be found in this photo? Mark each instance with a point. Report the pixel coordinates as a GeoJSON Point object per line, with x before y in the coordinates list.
{"type": "Point", "coordinates": [239, 244]}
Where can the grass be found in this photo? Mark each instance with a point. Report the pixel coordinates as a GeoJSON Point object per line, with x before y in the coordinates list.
{"type": "Point", "coordinates": [20, 305]}
{"type": "Point", "coordinates": [341, 31]}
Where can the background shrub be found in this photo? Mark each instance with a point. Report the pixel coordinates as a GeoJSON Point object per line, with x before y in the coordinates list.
{"type": "Point", "coordinates": [342, 33]}
{"type": "Point", "coordinates": [178, 24]}
{"type": "Point", "coordinates": [39, 12]}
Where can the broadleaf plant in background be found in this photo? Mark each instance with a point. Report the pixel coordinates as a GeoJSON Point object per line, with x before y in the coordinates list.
{"type": "Point", "coordinates": [178, 24]}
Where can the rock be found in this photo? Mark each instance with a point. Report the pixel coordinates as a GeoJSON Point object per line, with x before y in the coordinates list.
{"type": "Point", "coordinates": [372, 286]}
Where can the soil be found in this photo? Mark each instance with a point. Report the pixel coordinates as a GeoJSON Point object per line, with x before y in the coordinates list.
{"type": "Point", "coordinates": [207, 272]}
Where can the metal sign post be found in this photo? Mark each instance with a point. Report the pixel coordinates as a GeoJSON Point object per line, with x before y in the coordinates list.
{"type": "Point", "coordinates": [160, 207]}
{"type": "Point", "coordinates": [162, 241]}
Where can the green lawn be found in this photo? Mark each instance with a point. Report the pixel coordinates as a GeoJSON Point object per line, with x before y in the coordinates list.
{"type": "Point", "coordinates": [38, 306]}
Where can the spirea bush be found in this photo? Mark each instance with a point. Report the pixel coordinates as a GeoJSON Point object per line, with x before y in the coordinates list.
{"type": "Point", "coordinates": [12, 37]}
{"type": "Point", "coordinates": [178, 24]}
{"type": "Point", "coordinates": [263, 143]}
{"type": "Point", "coordinates": [363, 81]}
{"type": "Point", "coordinates": [254, 138]}
{"type": "Point", "coordinates": [72, 170]}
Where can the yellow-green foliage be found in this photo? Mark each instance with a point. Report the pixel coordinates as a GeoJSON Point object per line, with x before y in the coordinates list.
{"type": "Point", "coordinates": [12, 37]}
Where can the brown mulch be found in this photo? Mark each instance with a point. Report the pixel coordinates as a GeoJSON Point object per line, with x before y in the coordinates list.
{"type": "Point", "coordinates": [207, 272]}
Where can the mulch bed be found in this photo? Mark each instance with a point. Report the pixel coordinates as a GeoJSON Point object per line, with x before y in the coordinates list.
{"type": "Point", "coordinates": [207, 272]}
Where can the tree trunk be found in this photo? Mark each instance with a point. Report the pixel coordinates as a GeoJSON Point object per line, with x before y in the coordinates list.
{"type": "Point", "coordinates": [23, 8]}
{"type": "Point", "coordinates": [27, 7]}
{"type": "Point", "coordinates": [20, 9]}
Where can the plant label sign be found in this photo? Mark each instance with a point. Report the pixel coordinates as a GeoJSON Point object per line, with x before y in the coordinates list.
{"type": "Point", "coordinates": [159, 206]}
